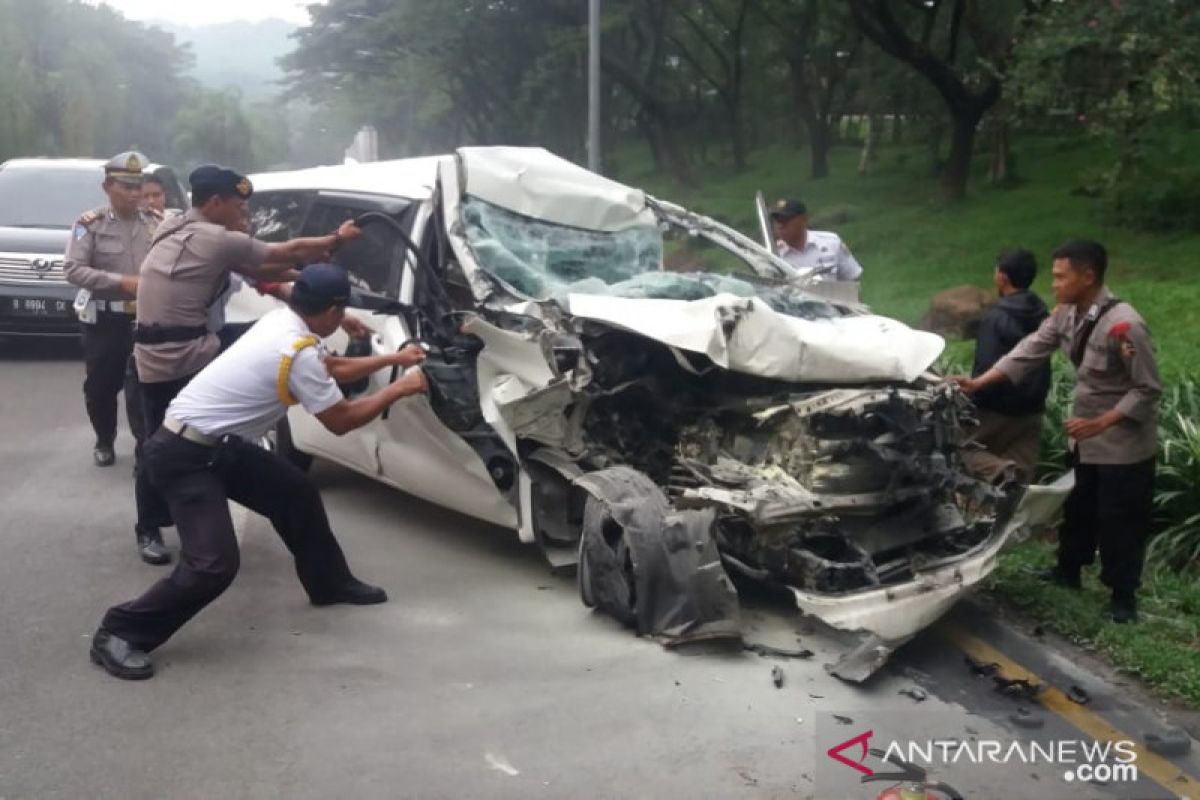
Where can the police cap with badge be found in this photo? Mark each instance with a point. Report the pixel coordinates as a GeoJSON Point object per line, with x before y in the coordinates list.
{"type": "Point", "coordinates": [126, 168]}
{"type": "Point", "coordinates": [211, 180]}
{"type": "Point", "coordinates": [786, 209]}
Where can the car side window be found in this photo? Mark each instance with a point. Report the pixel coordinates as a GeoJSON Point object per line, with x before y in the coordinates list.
{"type": "Point", "coordinates": [375, 259]}
{"type": "Point", "coordinates": [277, 216]}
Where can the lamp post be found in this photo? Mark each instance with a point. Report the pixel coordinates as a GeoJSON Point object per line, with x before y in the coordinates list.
{"type": "Point", "coordinates": [593, 140]}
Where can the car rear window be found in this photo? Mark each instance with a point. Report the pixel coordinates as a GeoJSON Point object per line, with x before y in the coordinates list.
{"type": "Point", "coordinates": [49, 196]}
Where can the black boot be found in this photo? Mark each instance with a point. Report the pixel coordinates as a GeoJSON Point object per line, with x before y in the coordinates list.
{"type": "Point", "coordinates": [353, 592]}
{"type": "Point", "coordinates": [103, 455]}
{"type": "Point", "coordinates": [119, 658]}
{"type": "Point", "coordinates": [1068, 579]}
{"type": "Point", "coordinates": [151, 547]}
{"type": "Point", "coordinates": [1123, 608]}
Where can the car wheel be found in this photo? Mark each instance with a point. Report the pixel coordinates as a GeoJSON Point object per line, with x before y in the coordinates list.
{"type": "Point", "coordinates": [285, 448]}
{"type": "Point", "coordinates": [607, 573]}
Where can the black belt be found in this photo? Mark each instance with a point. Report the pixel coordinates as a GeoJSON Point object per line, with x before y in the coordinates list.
{"type": "Point", "coordinates": [163, 334]}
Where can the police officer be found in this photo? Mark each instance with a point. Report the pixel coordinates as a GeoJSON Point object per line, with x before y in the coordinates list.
{"type": "Point", "coordinates": [106, 248]}
{"type": "Point", "coordinates": [821, 254]}
{"type": "Point", "coordinates": [1113, 423]}
{"type": "Point", "coordinates": [203, 456]}
{"type": "Point", "coordinates": [185, 274]}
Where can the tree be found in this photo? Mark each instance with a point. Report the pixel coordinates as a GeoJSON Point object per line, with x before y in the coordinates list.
{"type": "Point", "coordinates": [975, 40]}
{"type": "Point", "coordinates": [212, 128]}
{"type": "Point", "coordinates": [820, 44]}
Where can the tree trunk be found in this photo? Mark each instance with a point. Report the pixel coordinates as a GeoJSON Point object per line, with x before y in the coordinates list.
{"type": "Point", "coordinates": [870, 144]}
{"type": "Point", "coordinates": [958, 164]}
{"type": "Point", "coordinates": [1000, 169]}
{"type": "Point", "coordinates": [819, 141]}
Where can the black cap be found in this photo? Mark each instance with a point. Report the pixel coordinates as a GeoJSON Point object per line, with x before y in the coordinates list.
{"type": "Point", "coordinates": [212, 180]}
{"type": "Point", "coordinates": [321, 286]}
{"type": "Point", "coordinates": [786, 209]}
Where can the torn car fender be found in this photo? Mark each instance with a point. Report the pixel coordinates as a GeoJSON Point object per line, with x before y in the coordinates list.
{"type": "Point", "coordinates": [652, 567]}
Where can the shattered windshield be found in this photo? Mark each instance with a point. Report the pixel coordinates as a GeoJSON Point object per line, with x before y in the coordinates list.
{"type": "Point", "coordinates": [547, 261]}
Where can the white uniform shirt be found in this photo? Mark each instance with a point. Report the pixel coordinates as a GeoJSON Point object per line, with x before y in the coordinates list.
{"type": "Point", "coordinates": [238, 392]}
{"type": "Point", "coordinates": [825, 256]}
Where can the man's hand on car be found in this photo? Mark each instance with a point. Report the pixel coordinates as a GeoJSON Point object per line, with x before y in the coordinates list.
{"type": "Point", "coordinates": [966, 384]}
{"type": "Point", "coordinates": [413, 382]}
{"type": "Point", "coordinates": [410, 355]}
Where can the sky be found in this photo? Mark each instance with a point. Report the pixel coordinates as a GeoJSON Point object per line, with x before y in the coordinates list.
{"type": "Point", "coordinates": [207, 12]}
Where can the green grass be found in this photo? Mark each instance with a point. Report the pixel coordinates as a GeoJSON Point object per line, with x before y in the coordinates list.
{"type": "Point", "coordinates": [912, 245]}
{"type": "Point", "coordinates": [1163, 648]}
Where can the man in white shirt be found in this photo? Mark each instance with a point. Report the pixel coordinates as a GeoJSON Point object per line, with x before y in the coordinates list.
{"type": "Point", "coordinates": [202, 457]}
{"type": "Point", "coordinates": [821, 254]}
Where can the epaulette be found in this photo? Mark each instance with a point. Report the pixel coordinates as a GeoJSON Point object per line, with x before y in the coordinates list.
{"type": "Point", "coordinates": [88, 217]}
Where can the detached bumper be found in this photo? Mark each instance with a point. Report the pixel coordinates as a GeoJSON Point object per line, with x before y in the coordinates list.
{"type": "Point", "coordinates": [889, 616]}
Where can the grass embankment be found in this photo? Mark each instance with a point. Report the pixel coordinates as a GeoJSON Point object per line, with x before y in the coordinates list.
{"type": "Point", "coordinates": [912, 246]}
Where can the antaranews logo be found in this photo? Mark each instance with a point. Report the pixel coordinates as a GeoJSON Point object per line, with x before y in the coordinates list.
{"type": "Point", "coordinates": [914, 759]}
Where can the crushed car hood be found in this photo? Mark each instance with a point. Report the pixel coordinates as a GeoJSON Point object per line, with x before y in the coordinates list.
{"type": "Point", "coordinates": [746, 335]}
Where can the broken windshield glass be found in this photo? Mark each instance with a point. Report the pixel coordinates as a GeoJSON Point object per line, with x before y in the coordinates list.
{"type": "Point", "coordinates": [547, 261]}
{"type": "Point", "coordinates": [543, 260]}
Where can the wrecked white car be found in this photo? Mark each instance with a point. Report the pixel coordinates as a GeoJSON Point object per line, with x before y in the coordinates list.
{"type": "Point", "coordinates": [647, 394]}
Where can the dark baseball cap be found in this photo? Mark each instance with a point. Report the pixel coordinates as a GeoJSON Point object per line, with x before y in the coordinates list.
{"type": "Point", "coordinates": [321, 286]}
{"type": "Point", "coordinates": [213, 180]}
{"type": "Point", "coordinates": [786, 209]}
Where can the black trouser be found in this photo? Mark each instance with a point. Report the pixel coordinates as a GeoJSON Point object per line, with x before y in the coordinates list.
{"type": "Point", "coordinates": [1110, 507]}
{"type": "Point", "coordinates": [107, 354]}
{"type": "Point", "coordinates": [152, 508]}
{"type": "Point", "coordinates": [197, 481]}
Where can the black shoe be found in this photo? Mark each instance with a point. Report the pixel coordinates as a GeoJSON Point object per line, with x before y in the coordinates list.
{"type": "Point", "coordinates": [1061, 577]}
{"type": "Point", "coordinates": [1123, 610]}
{"type": "Point", "coordinates": [119, 658]}
{"type": "Point", "coordinates": [104, 456]}
{"type": "Point", "coordinates": [353, 592]}
{"type": "Point", "coordinates": [150, 546]}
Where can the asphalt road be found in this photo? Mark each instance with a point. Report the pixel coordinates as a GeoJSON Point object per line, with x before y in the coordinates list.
{"type": "Point", "coordinates": [483, 677]}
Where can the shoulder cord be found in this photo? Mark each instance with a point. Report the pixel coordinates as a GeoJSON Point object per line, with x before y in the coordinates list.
{"type": "Point", "coordinates": [285, 369]}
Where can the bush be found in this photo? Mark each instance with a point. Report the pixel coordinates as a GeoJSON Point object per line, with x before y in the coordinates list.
{"type": "Point", "coordinates": [1157, 199]}
{"type": "Point", "coordinates": [1176, 542]}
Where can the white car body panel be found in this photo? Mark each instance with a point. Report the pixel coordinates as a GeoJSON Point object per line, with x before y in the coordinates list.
{"type": "Point", "coordinates": [770, 344]}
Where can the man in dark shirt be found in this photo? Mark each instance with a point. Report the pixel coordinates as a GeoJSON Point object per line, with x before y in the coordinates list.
{"type": "Point", "coordinates": [1010, 414]}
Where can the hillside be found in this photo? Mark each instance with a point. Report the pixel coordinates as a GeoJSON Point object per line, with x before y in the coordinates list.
{"type": "Point", "coordinates": [238, 54]}
{"type": "Point", "coordinates": [911, 245]}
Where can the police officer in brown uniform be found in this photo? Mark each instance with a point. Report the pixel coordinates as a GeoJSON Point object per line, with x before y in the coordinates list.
{"type": "Point", "coordinates": [186, 271]}
{"type": "Point", "coordinates": [103, 256]}
{"type": "Point", "coordinates": [1113, 423]}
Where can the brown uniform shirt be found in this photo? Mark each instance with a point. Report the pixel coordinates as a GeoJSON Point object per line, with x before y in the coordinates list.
{"type": "Point", "coordinates": [1118, 371]}
{"type": "Point", "coordinates": [185, 272]}
{"type": "Point", "coordinates": [103, 247]}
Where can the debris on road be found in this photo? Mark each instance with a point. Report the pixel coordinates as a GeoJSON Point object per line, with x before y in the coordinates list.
{"type": "Point", "coordinates": [843, 720]}
{"type": "Point", "coordinates": [500, 764]}
{"type": "Point", "coordinates": [981, 668]}
{"type": "Point", "coordinates": [1019, 688]}
{"type": "Point", "coordinates": [916, 693]}
{"type": "Point", "coordinates": [1077, 694]}
{"type": "Point", "coordinates": [1171, 742]}
{"type": "Point", "coordinates": [777, 652]}
{"type": "Point", "coordinates": [777, 676]}
{"type": "Point", "coordinates": [1025, 718]}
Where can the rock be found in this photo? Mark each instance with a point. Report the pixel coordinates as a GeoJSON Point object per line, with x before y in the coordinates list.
{"type": "Point", "coordinates": [956, 313]}
{"type": "Point", "coordinates": [1170, 742]}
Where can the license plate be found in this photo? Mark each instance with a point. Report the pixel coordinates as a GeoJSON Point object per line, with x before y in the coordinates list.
{"type": "Point", "coordinates": [38, 306]}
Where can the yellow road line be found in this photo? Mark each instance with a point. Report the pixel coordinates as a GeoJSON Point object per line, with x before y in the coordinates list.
{"type": "Point", "coordinates": [1152, 765]}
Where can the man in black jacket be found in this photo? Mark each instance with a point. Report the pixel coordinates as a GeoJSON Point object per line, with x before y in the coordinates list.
{"type": "Point", "coordinates": [1010, 414]}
